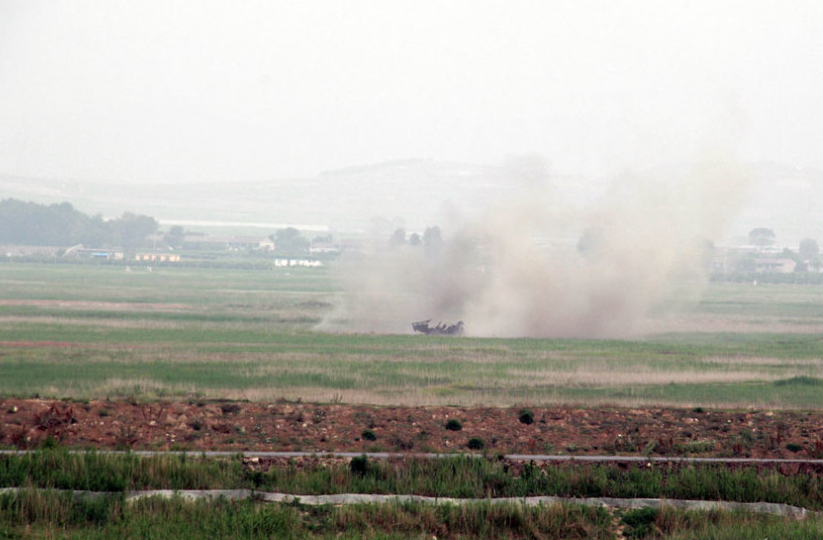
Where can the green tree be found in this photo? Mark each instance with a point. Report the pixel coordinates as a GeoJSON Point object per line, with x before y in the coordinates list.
{"type": "Point", "coordinates": [432, 237]}
{"type": "Point", "coordinates": [745, 264]}
{"type": "Point", "coordinates": [132, 230]}
{"type": "Point", "coordinates": [289, 241]}
{"type": "Point", "coordinates": [809, 253]}
{"type": "Point", "coordinates": [808, 249]}
{"type": "Point", "coordinates": [398, 237]}
{"type": "Point", "coordinates": [432, 241]}
{"type": "Point", "coordinates": [175, 236]}
{"type": "Point", "coordinates": [56, 225]}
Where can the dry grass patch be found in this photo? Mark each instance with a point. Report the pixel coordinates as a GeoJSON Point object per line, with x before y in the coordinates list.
{"type": "Point", "coordinates": [640, 375]}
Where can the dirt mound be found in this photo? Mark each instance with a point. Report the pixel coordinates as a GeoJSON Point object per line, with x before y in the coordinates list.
{"type": "Point", "coordinates": [286, 426]}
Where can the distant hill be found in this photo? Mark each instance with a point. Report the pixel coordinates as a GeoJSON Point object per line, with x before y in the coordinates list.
{"type": "Point", "coordinates": [414, 193]}
{"type": "Point", "coordinates": [786, 199]}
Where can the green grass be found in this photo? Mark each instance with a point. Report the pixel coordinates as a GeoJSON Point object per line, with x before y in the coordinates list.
{"type": "Point", "coordinates": [233, 333]}
{"type": "Point", "coordinates": [40, 512]}
{"type": "Point", "coordinates": [47, 514]}
{"type": "Point", "coordinates": [459, 476]}
{"type": "Point", "coordinates": [33, 514]}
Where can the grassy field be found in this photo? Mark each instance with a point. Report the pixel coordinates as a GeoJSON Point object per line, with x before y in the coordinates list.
{"type": "Point", "coordinates": [89, 331]}
{"type": "Point", "coordinates": [40, 511]}
{"type": "Point", "coordinates": [53, 515]}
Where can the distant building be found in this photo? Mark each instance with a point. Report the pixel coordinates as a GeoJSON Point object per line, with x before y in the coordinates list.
{"type": "Point", "coordinates": [30, 251]}
{"type": "Point", "coordinates": [774, 266]}
{"type": "Point", "coordinates": [157, 257]}
{"type": "Point", "coordinates": [324, 247]}
{"type": "Point", "coordinates": [230, 243]}
{"type": "Point", "coordinates": [297, 262]}
{"type": "Point", "coordinates": [83, 252]}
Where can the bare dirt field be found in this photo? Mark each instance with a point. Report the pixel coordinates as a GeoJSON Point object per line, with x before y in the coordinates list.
{"type": "Point", "coordinates": [288, 426]}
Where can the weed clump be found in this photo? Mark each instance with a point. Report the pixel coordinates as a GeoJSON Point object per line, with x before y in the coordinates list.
{"type": "Point", "coordinates": [368, 435]}
{"type": "Point", "coordinates": [640, 522]}
{"type": "Point", "coordinates": [454, 425]}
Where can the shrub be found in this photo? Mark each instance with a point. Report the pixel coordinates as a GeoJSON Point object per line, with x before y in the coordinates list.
{"type": "Point", "coordinates": [476, 443]}
{"type": "Point", "coordinates": [359, 465]}
{"type": "Point", "coordinates": [793, 447]}
{"type": "Point", "coordinates": [526, 416]}
{"type": "Point", "coordinates": [454, 425]}
{"type": "Point", "coordinates": [402, 445]}
{"type": "Point", "coordinates": [49, 443]}
{"type": "Point", "coordinates": [639, 522]}
{"type": "Point", "coordinates": [368, 435]}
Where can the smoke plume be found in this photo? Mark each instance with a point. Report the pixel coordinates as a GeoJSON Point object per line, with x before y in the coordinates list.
{"type": "Point", "coordinates": [531, 265]}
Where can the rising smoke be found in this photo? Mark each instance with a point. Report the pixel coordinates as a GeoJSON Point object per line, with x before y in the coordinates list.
{"type": "Point", "coordinates": [531, 266]}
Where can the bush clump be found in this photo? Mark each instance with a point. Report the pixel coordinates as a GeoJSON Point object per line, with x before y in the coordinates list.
{"type": "Point", "coordinates": [368, 435]}
{"type": "Point", "coordinates": [454, 425]}
{"type": "Point", "coordinates": [526, 416]}
{"type": "Point", "coordinates": [359, 465]}
{"type": "Point", "coordinates": [476, 443]}
{"type": "Point", "coordinates": [640, 522]}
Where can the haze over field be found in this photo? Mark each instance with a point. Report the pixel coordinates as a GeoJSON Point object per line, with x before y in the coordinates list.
{"type": "Point", "coordinates": [504, 273]}
{"type": "Point", "coordinates": [515, 126]}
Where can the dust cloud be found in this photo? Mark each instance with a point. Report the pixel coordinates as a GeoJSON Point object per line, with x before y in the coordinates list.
{"type": "Point", "coordinates": [531, 265]}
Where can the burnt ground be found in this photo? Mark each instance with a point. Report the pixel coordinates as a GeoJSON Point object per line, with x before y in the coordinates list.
{"type": "Point", "coordinates": [288, 426]}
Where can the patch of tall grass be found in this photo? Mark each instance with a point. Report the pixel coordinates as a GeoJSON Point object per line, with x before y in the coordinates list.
{"type": "Point", "coordinates": [459, 477]}
{"type": "Point", "coordinates": [107, 517]}
{"type": "Point", "coordinates": [48, 514]}
{"type": "Point", "coordinates": [667, 523]}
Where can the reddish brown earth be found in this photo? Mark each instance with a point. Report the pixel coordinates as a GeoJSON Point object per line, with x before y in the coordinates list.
{"type": "Point", "coordinates": [284, 426]}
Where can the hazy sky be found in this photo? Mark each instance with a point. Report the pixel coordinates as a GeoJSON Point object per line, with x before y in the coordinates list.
{"type": "Point", "coordinates": [164, 90]}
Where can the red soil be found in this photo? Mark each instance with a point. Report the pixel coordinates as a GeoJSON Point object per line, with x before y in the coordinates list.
{"type": "Point", "coordinates": [287, 426]}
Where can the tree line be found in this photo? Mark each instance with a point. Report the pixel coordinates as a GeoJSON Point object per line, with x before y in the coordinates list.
{"type": "Point", "coordinates": [28, 223]}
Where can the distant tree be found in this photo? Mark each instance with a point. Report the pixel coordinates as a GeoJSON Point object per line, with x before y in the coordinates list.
{"type": "Point", "coordinates": [789, 254]}
{"type": "Point", "coordinates": [745, 264]}
{"type": "Point", "coordinates": [415, 239]}
{"type": "Point", "coordinates": [808, 249]}
{"type": "Point", "coordinates": [432, 240]}
{"type": "Point", "coordinates": [761, 236]}
{"type": "Point", "coordinates": [289, 241]}
{"type": "Point", "coordinates": [809, 254]}
{"type": "Point", "coordinates": [707, 251]}
{"type": "Point", "coordinates": [133, 229]}
{"type": "Point", "coordinates": [432, 237]}
{"type": "Point", "coordinates": [175, 236]}
{"type": "Point", "coordinates": [63, 225]}
{"type": "Point", "coordinates": [398, 238]}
